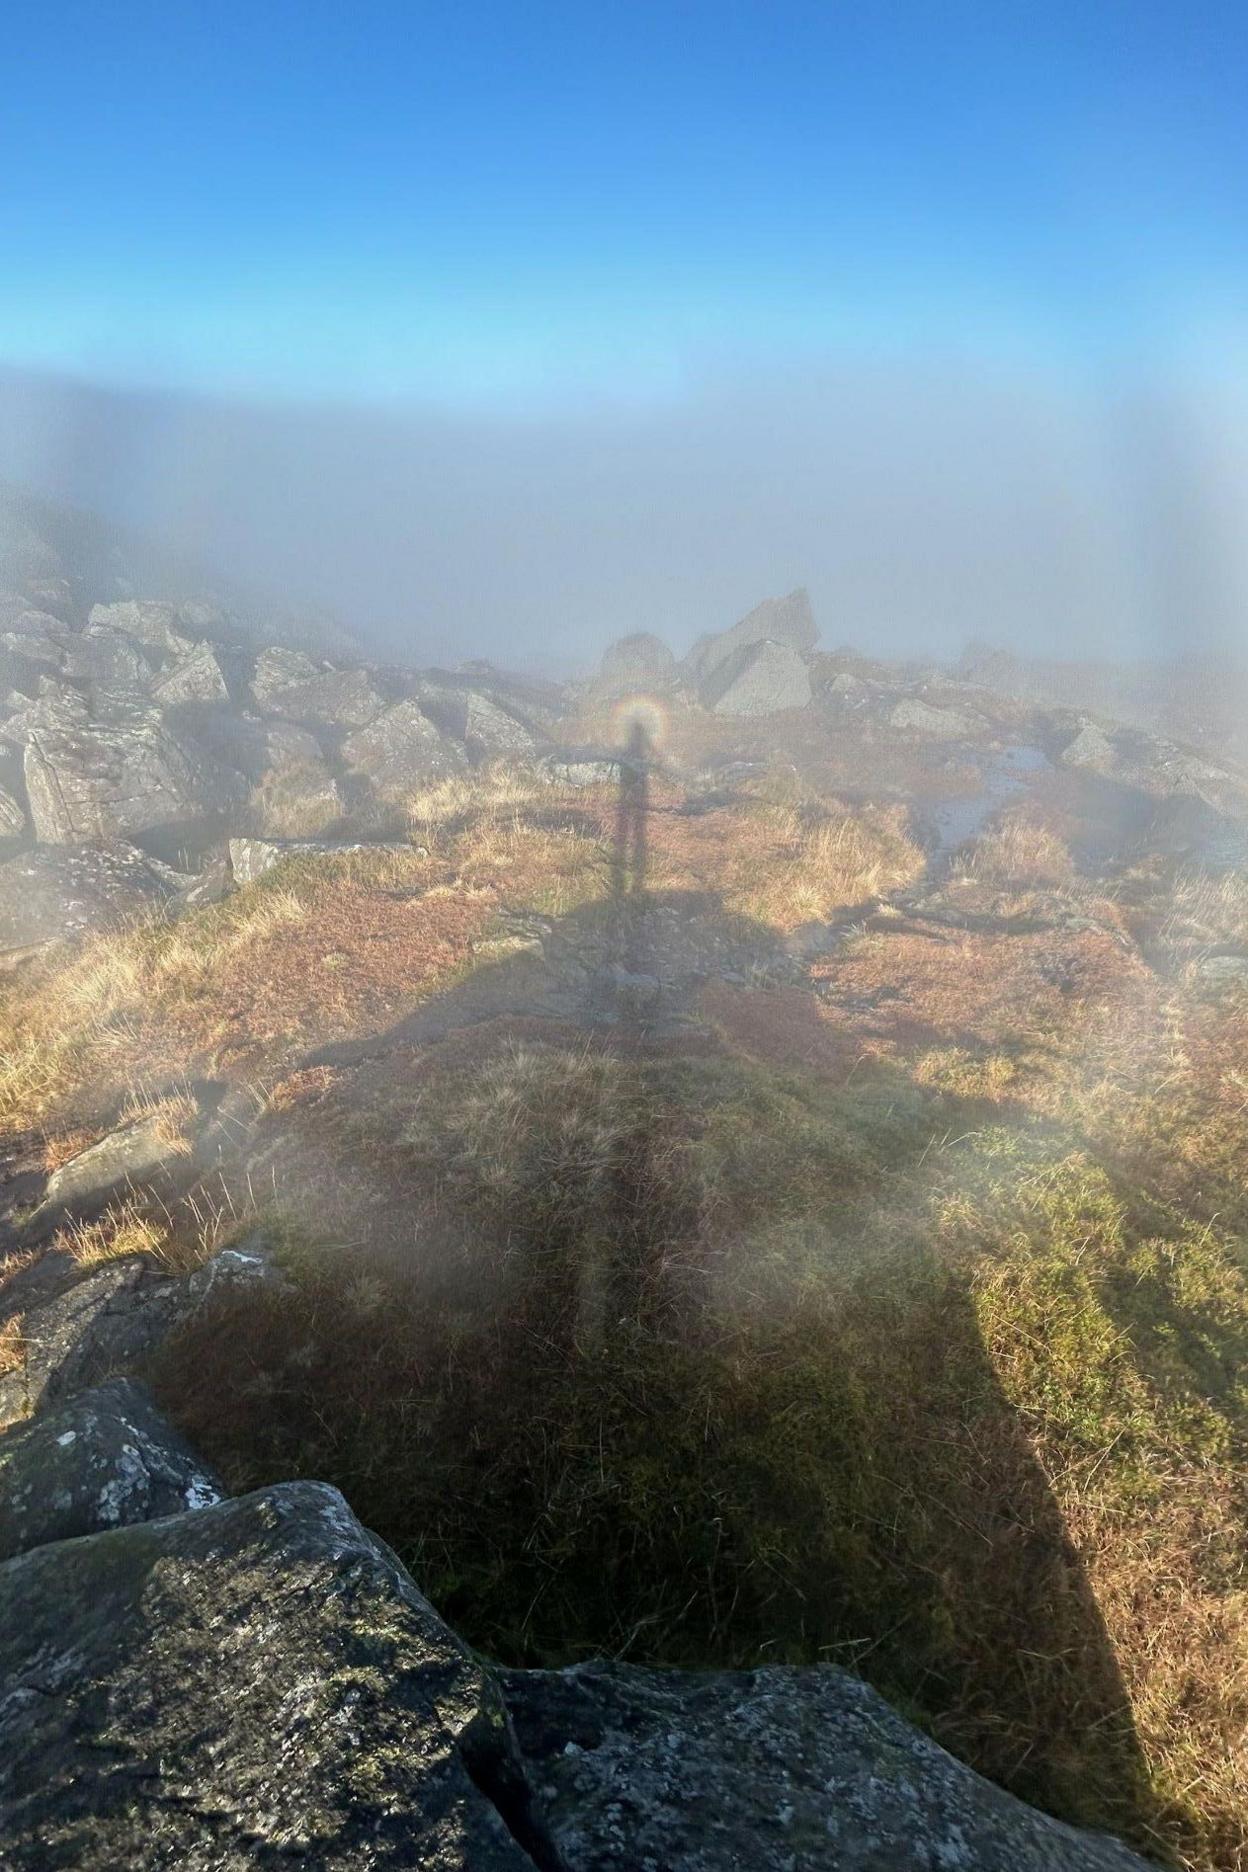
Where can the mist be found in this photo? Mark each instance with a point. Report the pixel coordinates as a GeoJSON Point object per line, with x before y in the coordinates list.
{"type": "Point", "coordinates": [1049, 512]}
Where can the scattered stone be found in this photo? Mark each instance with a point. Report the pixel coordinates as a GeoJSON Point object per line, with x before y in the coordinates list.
{"type": "Point", "coordinates": [106, 1459]}
{"type": "Point", "coordinates": [778, 1770]}
{"type": "Point", "coordinates": [196, 677]}
{"type": "Point", "coordinates": [124, 773]}
{"type": "Point", "coordinates": [938, 724]}
{"type": "Point", "coordinates": [761, 679]}
{"type": "Point", "coordinates": [580, 767]}
{"type": "Point", "coordinates": [277, 669]}
{"type": "Point", "coordinates": [234, 1686]}
{"type": "Point", "coordinates": [63, 891]}
{"type": "Point", "coordinates": [787, 621]}
{"type": "Point", "coordinates": [402, 750]}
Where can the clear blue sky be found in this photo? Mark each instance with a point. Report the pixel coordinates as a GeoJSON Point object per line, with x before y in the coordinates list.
{"type": "Point", "coordinates": [496, 202]}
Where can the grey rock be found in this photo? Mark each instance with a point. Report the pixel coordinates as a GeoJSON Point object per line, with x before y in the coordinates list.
{"type": "Point", "coordinates": [1090, 748]}
{"type": "Point", "coordinates": [335, 698]}
{"type": "Point", "coordinates": [249, 1263]}
{"type": "Point", "coordinates": [787, 621]}
{"type": "Point", "coordinates": [250, 858]}
{"type": "Point", "coordinates": [760, 679]}
{"type": "Point", "coordinates": [196, 677]}
{"type": "Point", "coordinates": [134, 1153]}
{"type": "Point", "coordinates": [1220, 969]}
{"type": "Point", "coordinates": [148, 621]}
{"type": "Point", "coordinates": [106, 1324]}
{"type": "Point", "coordinates": [780, 1770]}
{"type": "Point", "coordinates": [637, 662]}
{"type": "Point", "coordinates": [12, 818]}
{"type": "Point", "coordinates": [252, 1683]}
{"type": "Point", "coordinates": [124, 773]}
{"type": "Point", "coordinates": [277, 669]}
{"type": "Point", "coordinates": [578, 767]}
{"type": "Point", "coordinates": [486, 730]}
{"type": "Point", "coordinates": [64, 891]}
{"type": "Point", "coordinates": [402, 750]}
{"type": "Point", "coordinates": [104, 654]}
{"type": "Point", "coordinates": [912, 716]}
{"type": "Point", "coordinates": [106, 1459]}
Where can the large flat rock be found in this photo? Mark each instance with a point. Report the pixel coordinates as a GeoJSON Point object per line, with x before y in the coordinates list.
{"type": "Point", "coordinates": [257, 1683]}
{"type": "Point", "coordinates": [782, 1770]}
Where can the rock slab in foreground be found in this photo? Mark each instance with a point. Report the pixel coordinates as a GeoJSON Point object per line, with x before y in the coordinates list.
{"type": "Point", "coordinates": [254, 1684]}
{"type": "Point", "coordinates": [784, 1770]}
{"type": "Point", "coordinates": [108, 1459]}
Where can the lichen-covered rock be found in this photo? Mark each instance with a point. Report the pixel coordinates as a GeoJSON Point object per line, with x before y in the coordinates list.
{"type": "Point", "coordinates": [250, 858]}
{"type": "Point", "coordinates": [277, 668]}
{"type": "Point", "coordinates": [252, 1684]}
{"type": "Point", "coordinates": [402, 750]}
{"type": "Point", "coordinates": [195, 677]}
{"type": "Point", "coordinates": [12, 816]}
{"type": "Point", "coordinates": [1091, 748]}
{"type": "Point", "coordinates": [799, 1770]}
{"type": "Point", "coordinates": [102, 1326]}
{"type": "Point", "coordinates": [334, 698]}
{"type": "Point", "coordinates": [760, 679]}
{"type": "Point", "coordinates": [124, 772]}
{"type": "Point", "coordinates": [148, 621]}
{"type": "Point", "coordinates": [63, 891]}
{"type": "Point", "coordinates": [787, 621]}
{"type": "Point", "coordinates": [911, 716]}
{"type": "Point", "coordinates": [106, 1459]}
{"type": "Point", "coordinates": [104, 654]}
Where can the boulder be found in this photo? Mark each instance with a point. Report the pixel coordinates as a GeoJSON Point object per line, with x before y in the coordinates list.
{"type": "Point", "coordinates": [148, 621]}
{"type": "Point", "coordinates": [787, 621]}
{"type": "Point", "coordinates": [106, 1459]}
{"type": "Point", "coordinates": [760, 679]}
{"type": "Point", "coordinates": [402, 750]}
{"type": "Point", "coordinates": [777, 1770]}
{"type": "Point", "coordinates": [253, 1683]}
{"type": "Point", "coordinates": [135, 1153]}
{"type": "Point", "coordinates": [254, 746]}
{"type": "Point", "coordinates": [195, 677]}
{"type": "Point", "coordinates": [638, 662]}
{"type": "Point", "coordinates": [123, 773]}
{"type": "Point", "coordinates": [335, 698]}
{"type": "Point", "coordinates": [1091, 748]}
{"type": "Point", "coordinates": [911, 716]}
{"type": "Point", "coordinates": [250, 858]}
{"type": "Point", "coordinates": [103, 654]}
{"type": "Point", "coordinates": [277, 669]}
{"type": "Point", "coordinates": [12, 820]}
{"type": "Point", "coordinates": [488, 731]}
{"type": "Point", "coordinates": [106, 1324]}
{"type": "Point", "coordinates": [64, 891]}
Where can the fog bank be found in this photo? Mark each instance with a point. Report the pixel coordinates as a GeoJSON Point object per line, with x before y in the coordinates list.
{"type": "Point", "coordinates": [921, 506]}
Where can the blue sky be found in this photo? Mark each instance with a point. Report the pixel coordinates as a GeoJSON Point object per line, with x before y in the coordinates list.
{"type": "Point", "coordinates": [508, 204]}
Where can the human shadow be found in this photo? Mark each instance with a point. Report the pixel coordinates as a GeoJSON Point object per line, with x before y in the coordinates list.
{"type": "Point", "coordinates": [914, 1535]}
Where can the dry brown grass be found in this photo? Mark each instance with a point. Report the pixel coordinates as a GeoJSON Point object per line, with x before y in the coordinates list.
{"type": "Point", "coordinates": [126, 1228]}
{"type": "Point", "coordinates": [1020, 852]}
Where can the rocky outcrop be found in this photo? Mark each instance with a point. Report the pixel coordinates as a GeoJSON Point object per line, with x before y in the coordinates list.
{"type": "Point", "coordinates": [638, 662]}
{"type": "Point", "coordinates": [912, 716]}
{"type": "Point", "coordinates": [759, 679]}
{"type": "Point", "coordinates": [799, 1770]}
{"type": "Point", "coordinates": [64, 891]}
{"type": "Point", "coordinates": [288, 684]}
{"type": "Point", "coordinates": [195, 677]}
{"type": "Point", "coordinates": [148, 621]}
{"type": "Point", "coordinates": [401, 751]}
{"type": "Point", "coordinates": [789, 621]}
{"type": "Point", "coordinates": [250, 858]}
{"type": "Point", "coordinates": [140, 1152]}
{"type": "Point", "coordinates": [12, 816]}
{"type": "Point", "coordinates": [488, 731]}
{"type": "Point", "coordinates": [253, 1681]}
{"type": "Point", "coordinates": [94, 1328]}
{"type": "Point", "coordinates": [106, 1459]}
{"type": "Point", "coordinates": [105, 655]}
{"type": "Point", "coordinates": [121, 773]}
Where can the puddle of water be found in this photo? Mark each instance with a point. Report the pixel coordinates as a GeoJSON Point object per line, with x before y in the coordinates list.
{"type": "Point", "coordinates": [1002, 777]}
